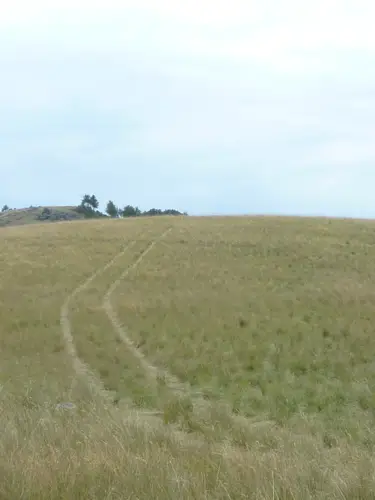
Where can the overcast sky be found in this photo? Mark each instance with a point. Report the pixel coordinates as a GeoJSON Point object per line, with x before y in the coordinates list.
{"type": "Point", "coordinates": [208, 106]}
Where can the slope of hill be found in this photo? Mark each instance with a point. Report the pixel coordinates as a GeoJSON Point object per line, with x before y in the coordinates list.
{"type": "Point", "coordinates": [187, 358]}
{"type": "Point", "coordinates": [34, 215]}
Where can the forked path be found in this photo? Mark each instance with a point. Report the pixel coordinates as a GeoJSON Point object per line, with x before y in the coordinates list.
{"type": "Point", "coordinates": [80, 368]}
{"type": "Point", "coordinates": [95, 383]}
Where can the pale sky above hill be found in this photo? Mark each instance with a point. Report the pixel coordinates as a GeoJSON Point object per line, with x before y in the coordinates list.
{"type": "Point", "coordinates": [209, 106]}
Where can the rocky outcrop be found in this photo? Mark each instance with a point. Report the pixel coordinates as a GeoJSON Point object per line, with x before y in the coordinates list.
{"type": "Point", "coordinates": [51, 215]}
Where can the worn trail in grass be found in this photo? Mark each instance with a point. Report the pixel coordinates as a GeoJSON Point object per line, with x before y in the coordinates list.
{"type": "Point", "coordinates": [81, 369]}
{"type": "Point", "coordinates": [121, 374]}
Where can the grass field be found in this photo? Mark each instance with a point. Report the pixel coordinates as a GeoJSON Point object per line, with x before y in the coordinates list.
{"type": "Point", "coordinates": [207, 358]}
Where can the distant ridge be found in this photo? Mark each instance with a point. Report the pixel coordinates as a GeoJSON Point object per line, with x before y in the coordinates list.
{"type": "Point", "coordinates": [35, 215]}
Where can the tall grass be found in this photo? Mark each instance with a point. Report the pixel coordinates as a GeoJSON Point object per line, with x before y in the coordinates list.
{"type": "Point", "coordinates": [265, 323]}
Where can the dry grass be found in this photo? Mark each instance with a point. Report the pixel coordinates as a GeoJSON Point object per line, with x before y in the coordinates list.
{"type": "Point", "coordinates": [234, 359]}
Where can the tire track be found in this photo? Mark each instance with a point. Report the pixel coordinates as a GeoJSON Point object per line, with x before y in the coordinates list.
{"type": "Point", "coordinates": [151, 371]}
{"type": "Point", "coordinates": [176, 386]}
{"type": "Point", "coordinates": [142, 417]}
{"type": "Point", "coordinates": [81, 369]}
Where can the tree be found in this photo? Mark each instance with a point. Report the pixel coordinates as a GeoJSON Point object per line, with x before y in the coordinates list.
{"type": "Point", "coordinates": [94, 202]}
{"type": "Point", "coordinates": [153, 212]}
{"type": "Point", "coordinates": [130, 211]}
{"type": "Point", "coordinates": [86, 200]}
{"type": "Point", "coordinates": [5, 208]}
{"type": "Point", "coordinates": [112, 210]}
{"type": "Point", "coordinates": [171, 211]}
{"type": "Point", "coordinates": [90, 201]}
{"type": "Point", "coordinates": [88, 207]}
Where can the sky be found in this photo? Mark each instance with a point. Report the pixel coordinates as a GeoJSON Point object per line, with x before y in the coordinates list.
{"type": "Point", "coordinates": [206, 106]}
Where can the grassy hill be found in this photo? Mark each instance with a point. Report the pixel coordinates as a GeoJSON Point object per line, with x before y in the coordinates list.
{"type": "Point", "coordinates": [213, 358]}
{"type": "Point", "coordinates": [35, 215]}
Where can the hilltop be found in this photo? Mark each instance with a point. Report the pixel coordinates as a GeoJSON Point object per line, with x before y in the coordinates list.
{"type": "Point", "coordinates": [184, 357]}
{"type": "Point", "coordinates": [87, 209]}
{"type": "Point", "coordinates": [35, 215]}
